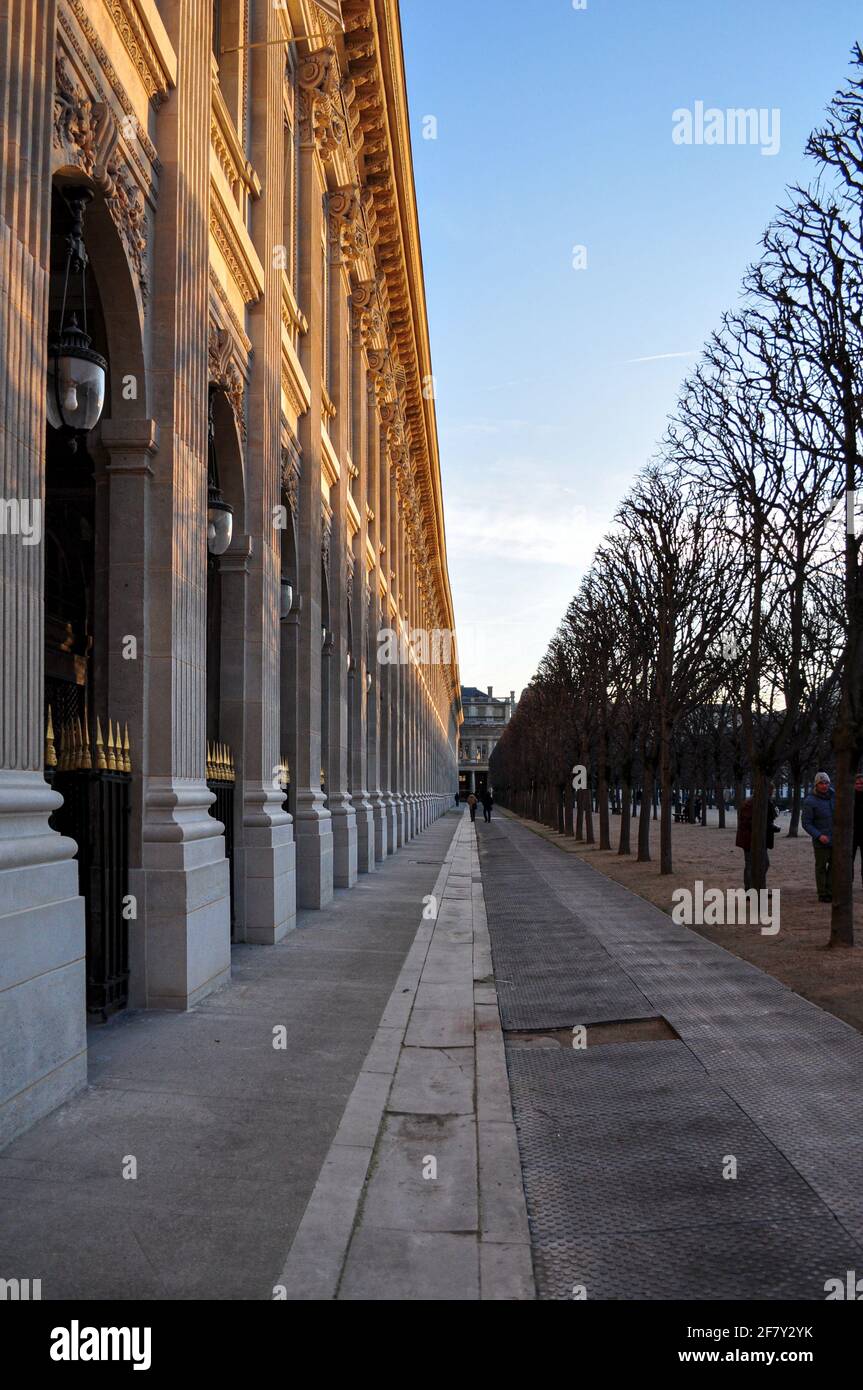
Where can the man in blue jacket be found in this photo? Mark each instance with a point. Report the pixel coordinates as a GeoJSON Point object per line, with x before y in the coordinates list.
{"type": "Point", "coordinates": [818, 823]}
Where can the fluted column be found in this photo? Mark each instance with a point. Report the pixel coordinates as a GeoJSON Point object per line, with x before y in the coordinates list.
{"type": "Point", "coordinates": [362, 700]}
{"type": "Point", "coordinates": [186, 873]}
{"type": "Point", "coordinates": [312, 825]}
{"type": "Point", "coordinates": [375, 707]}
{"type": "Point", "coordinates": [267, 858]}
{"type": "Point", "coordinates": [398, 754]}
{"type": "Point", "coordinates": [344, 821]}
{"type": "Point", "coordinates": [42, 1032]}
{"type": "Point", "coordinates": [388, 671]}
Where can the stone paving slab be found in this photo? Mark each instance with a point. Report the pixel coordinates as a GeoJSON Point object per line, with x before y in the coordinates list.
{"type": "Point", "coordinates": [232, 1136]}
{"type": "Point", "coordinates": [442, 1213]}
{"type": "Point", "coordinates": [623, 1145]}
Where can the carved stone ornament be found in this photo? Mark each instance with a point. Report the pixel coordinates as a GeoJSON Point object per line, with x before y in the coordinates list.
{"type": "Point", "coordinates": [348, 233]}
{"type": "Point", "coordinates": [291, 478]}
{"type": "Point", "coordinates": [86, 133]}
{"type": "Point", "coordinates": [224, 372]}
{"type": "Point", "coordinates": [326, 536]}
{"type": "Point", "coordinates": [321, 119]}
{"type": "Point", "coordinates": [368, 317]}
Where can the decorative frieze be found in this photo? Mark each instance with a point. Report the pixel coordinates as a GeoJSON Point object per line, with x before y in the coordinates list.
{"type": "Point", "coordinates": [87, 136]}
{"type": "Point", "coordinates": [224, 372]}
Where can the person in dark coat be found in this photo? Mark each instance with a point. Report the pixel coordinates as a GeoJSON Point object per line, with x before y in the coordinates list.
{"type": "Point", "coordinates": [818, 823]}
{"type": "Point", "coordinates": [472, 804]}
{"type": "Point", "coordinates": [858, 821]}
{"type": "Point", "coordinates": [744, 836]}
{"type": "Point", "coordinates": [487, 803]}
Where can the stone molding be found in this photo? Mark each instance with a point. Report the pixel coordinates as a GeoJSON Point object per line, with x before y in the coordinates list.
{"type": "Point", "coordinates": [87, 136]}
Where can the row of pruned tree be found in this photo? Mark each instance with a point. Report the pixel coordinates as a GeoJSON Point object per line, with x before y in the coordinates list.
{"type": "Point", "coordinates": [718, 634]}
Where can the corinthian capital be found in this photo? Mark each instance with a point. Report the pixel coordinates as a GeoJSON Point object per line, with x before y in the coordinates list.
{"type": "Point", "coordinates": [348, 233]}
{"type": "Point", "coordinates": [321, 118]}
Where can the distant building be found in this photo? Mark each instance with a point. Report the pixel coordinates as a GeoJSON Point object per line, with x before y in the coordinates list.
{"type": "Point", "coordinates": [486, 715]}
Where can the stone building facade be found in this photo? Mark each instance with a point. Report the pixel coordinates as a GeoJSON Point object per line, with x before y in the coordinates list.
{"type": "Point", "coordinates": [254, 283]}
{"type": "Point", "coordinates": [486, 715]}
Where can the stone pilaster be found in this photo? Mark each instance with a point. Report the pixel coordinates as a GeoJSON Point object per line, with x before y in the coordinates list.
{"type": "Point", "coordinates": [185, 870]}
{"type": "Point", "coordinates": [377, 754]}
{"type": "Point", "coordinates": [268, 851]}
{"type": "Point", "coordinates": [312, 825]}
{"type": "Point", "coordinates": [361, 700]}
{"type": "Point", "coordinates": [344, 821]}
{"type": "Point", "coordinates": [42, 1032]}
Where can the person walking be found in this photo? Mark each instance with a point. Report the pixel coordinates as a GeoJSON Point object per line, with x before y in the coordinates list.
{"type": "Point", "coordinates": [487, 803]}
{"type": "Point", "coordinates": [818, 824]}
{"type": "Point", "coordinates": [744, 836]}
{"type": "Point", "coordinates": [858, 821]}
{"type": "Point", "coordinates": [457, 798]}
{"type": "Point", "coordinates": [472, 804]}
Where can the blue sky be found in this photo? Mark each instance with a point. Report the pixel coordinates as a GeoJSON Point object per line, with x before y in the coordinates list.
{"type": "Point", "coordinates": [554, 131]}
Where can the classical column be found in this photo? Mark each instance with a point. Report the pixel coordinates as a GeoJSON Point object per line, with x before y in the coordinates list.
{"type": "Point", "coordinates": [268, 855]}
{"type": "Point", "coordinates": [342, 206]}
{"type": "Point", "coordinates": [185, 872]}
{"type": "Point", "coordinates": [388, 670]}
{"type": "Point", "coordinates": [361, 700]}
{"type": "Point", "coordinates": [375, 714]}
{"type": "Point", "coordinates": [398, 760]}
{"type": "Point", "coordinates": [131, 446]}
{"type": "Point", "coordinates": [312, 825]}
{"type": "Point", "coordinates": [42, 1032]}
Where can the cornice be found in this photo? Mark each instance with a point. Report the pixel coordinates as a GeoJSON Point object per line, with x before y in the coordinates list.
{"type": "Point", "coordinates": [146, 41]}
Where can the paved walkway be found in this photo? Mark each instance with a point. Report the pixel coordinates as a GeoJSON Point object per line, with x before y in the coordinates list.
{"type": "Point", "coordinates": [325, 1076]}
{"type": "Point", "coordinates": [421, 1195]}
{"type": "Point", "coordinates": [720, 1155]}
{"type": "Point", "coordinates": [228, 1131]}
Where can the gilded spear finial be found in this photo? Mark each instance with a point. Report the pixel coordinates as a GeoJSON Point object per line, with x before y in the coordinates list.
{"type": "Point", "coordinates": [127, 757]}
{"type": "Point", "coordinates": [101, 763]}
{"type": "Point", "coordinates": [86, 758]}
{"type": "Point", "coordinates": [50, 750]}
{"type": "Point", "coordinates": [112, 757]}
{"type": "Point", "coordinates": [209, 773]}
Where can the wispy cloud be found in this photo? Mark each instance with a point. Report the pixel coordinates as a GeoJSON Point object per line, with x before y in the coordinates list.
{"type": "Point", "coordinates": [481, 530]}
{"type": "Point", "coordinates": [659, 357]}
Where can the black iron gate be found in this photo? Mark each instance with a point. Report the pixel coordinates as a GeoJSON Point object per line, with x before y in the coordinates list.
{"type": "Point", "coordinates": [95, 814]}
{"type": "Point", "coordinates": [221, 779]}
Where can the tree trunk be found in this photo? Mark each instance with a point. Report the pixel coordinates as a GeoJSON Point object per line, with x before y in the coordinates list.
{"type": "Point", "coordinates": [759, 828]}
{"type": "Point", "coordinates": [579, 815]}
{"type": "Point", "coordinates": [567, 808]}
{"type": "Point", "coordinates": [589, 837]}
{"type": "Point", "coordinates": [625, 820]}
{"type": "Point", "coordinates": [644, 818]}
{"type": "Point", "coordinates": [665, 859]}
{"type": "Point", "coordinates": [842, 872]}
{"type": "Point", "coordinates": [720, 803]}
{"type": "Point", "coordinates": [604, 827]}
{"type": "Point", "coordinates": [796, 798]}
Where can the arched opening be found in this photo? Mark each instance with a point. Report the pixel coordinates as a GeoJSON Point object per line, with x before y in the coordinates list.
{"type": "Point", "coordinates": [226, 597]}
{"type": "Point", "coordinates": [326, 660]}
{"type": "Point", "coordinates": [87, 751]}
{"type": "Point", "coordinates": [289, 654]}
{"type": "Point", "coordinates": [351, 682]}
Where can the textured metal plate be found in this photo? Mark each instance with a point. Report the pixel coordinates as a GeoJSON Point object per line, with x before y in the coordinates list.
{"type": "Point", "coordinates": [623, 1144]}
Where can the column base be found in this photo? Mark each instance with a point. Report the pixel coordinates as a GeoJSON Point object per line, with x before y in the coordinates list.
{"type": "Point", "coordinates": [185, 879]}
{"type": "Point", "coordinates": [269, 869]}
{"type": "Point", "coordinates": [365, 833]}
{"type": "Point", "coordinates": [381, 828]}
{"type": "Point", "coordinates": [313, 836]}
{"type": "Point", "coordinates": [43, 1032]}
{"type": "Point", "coordinates": [344, 826]}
